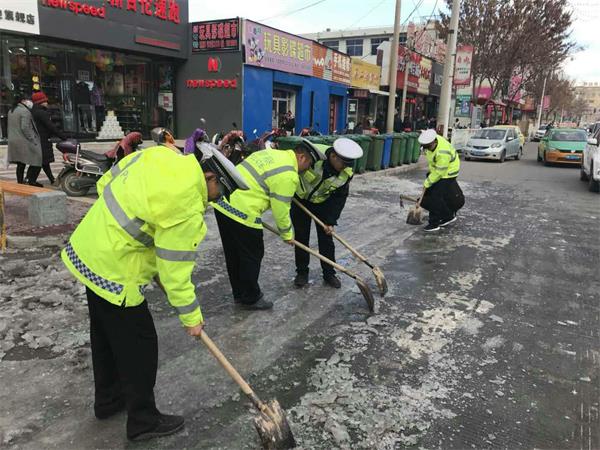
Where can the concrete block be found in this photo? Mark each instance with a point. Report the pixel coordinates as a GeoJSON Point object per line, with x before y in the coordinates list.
{"type": "Point", "coordinates": [48, 208]}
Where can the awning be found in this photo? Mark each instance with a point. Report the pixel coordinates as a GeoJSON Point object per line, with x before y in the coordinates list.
{"type": "Point", "coordinates": [377, 92]}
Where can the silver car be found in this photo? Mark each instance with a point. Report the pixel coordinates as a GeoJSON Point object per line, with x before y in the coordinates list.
{"type": "Point", "coordinates": [493, 143]}
{"type": "Point", "coordinates": [539, 133]}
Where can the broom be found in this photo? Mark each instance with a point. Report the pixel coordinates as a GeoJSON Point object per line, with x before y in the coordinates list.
{"type": "Point", "coordinates": [415, 214]}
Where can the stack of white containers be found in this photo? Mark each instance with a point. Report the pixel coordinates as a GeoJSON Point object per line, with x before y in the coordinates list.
{"type": "Point", "coordinates": [111, 129]}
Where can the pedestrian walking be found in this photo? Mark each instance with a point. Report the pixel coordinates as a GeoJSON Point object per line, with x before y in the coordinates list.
{"type": "Point", "coordinates": [288, 123]}
{"type": "Point", "coordinates": [46, 129]}
{"type": "Point", "coordinates": [442, 195]}
{"type": "Point", "coordinates": [272, 176]}
{"type": "Point", "coordinates": [146, 224]}
{"type": "Point", "coordinates": [323, 190]}
{"type": "Point", "coordinates": [24, 147]}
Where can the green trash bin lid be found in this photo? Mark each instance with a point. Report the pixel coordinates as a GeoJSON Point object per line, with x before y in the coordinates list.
{"type": "Point", "coordinates": [288, 142]}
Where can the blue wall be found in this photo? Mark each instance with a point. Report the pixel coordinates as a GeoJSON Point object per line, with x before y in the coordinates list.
{"type": "Point", "coordinates": [258, 100]}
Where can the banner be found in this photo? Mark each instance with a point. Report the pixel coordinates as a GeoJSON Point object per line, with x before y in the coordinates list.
{"type": "Point", "coordinates": [424, 76]}
{"type": "Point", "coordinates": [274, 49]}
{"type": "Point", "coordinates": [20, 15]}
{"type": "Point", "coordinates": [462, 66]}
{"type": "Point", "coordinates": [364, 75]}
{"type": "Point", "coordinates": [216, 35]}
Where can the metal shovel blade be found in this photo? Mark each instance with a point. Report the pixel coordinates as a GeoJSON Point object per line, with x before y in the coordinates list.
{"type": "Point", "coordinates": [366, 293]}
{"type": "Point", "coordinates": [380, 280]}
{"type": "Point", "coordinates": [273, 428]}
{"type": "Point", "coordinates": [415, 216]}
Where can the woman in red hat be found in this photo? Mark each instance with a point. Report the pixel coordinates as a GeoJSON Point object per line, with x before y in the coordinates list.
{"type": "Point", "coordinates": [46, 129]}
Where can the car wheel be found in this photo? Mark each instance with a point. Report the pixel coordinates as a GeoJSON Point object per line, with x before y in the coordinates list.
{"type": "Point", "coordinates": [502, 156]}
{"type": "Point", "coordinates": [582, 175]}
{"type": "Point", "coordinates": [546, 163]}
{"type": "Point", "coordinates": [467, 158]}
{"type": "Point", "coordinates": [519, 154]}
{"type": "Point", "coordinates": [593, 185]}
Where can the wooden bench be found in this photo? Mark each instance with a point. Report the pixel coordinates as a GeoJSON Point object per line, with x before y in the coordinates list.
{"type": "Point", "coordinates": [46, 206]}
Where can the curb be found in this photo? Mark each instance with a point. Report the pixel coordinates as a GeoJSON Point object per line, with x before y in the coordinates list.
{"type": "Point", "coordinates": [28, 242]}
{"type": "Point", "coordinates": [420, 165]}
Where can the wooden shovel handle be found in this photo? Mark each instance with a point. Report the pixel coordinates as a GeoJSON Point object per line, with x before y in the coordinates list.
{"type": "Point", "coordinates": [334, 234]}
{"type": "Point", "coordinates": [409, 198]}
{"type": "Point", "coordinates": [312, 252]}
{"type": "Point", "coordinates": [231, 370]}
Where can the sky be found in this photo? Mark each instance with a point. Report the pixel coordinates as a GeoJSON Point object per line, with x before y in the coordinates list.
{"type": "Point", "coordinates": [343, 14]}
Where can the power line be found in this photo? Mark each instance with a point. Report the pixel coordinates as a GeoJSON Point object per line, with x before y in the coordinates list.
{"type": "Point", "coordinates": [365, 15]}
{"type": "Point", "coordinates": [293, 11]}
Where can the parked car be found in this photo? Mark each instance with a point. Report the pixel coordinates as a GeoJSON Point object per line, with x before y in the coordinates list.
{"type": "Point", "coordinates": [517, 130]}
{"type": "Point", "coordinates": [590, 165]}
{"type": "Point", "coordinates": [562, 145]}
{"type": "Point", "coordinates": [539, 133]}
{"type": "Point", "coordinates": [493, 143]}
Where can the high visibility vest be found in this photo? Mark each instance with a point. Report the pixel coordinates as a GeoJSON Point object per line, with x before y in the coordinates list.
{"type": "Point", "coordinates": [443, 162]}
{"type": "Point", "coordinates": [147, 221]}
{"type": "Point", "coordinates": [272, 176]}
{"type": "Point", "coordinates": [314, 188]}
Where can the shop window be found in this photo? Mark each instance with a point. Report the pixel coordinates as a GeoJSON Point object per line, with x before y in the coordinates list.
{"type": "Point", "coordinates": [375, 43]}
{"type": "Point", "coordinates": [335, 45]}
{"type": "Point", "coordinates": [14, 75]}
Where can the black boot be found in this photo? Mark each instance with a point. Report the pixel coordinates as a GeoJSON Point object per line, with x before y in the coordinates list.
{"type": "Point", "coordinates": [332, 281]}
{"type": "Point", "coordinates": [166, 425]}
{"type": "Point", "coordinates": [301, 280]}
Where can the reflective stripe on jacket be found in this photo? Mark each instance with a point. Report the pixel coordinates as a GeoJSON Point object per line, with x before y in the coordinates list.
{"type": "Point", "coordinates": [314, 188]}
{"type": "Point", "coordinates": [443, 162]}
{"type": "Point", "coordinates": [147, 221]}
{"type": "Point", "coordinates": [272, 176]}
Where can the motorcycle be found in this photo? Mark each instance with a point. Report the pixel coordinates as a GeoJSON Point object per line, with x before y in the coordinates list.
{"type": "Point", "coordinates": [266, 140]}
{"type": "Point", "coordinates": [309, 131]}
{"type": "Point", "coordinates": [232, 144]}
{"type": "Point", "coordinates": [83, 168]}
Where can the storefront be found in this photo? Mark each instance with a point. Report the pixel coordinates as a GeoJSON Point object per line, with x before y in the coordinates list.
{"type": "Point", "coordinates": [366, 98]}
{"type": "Point", "coordinates": [93, 60]}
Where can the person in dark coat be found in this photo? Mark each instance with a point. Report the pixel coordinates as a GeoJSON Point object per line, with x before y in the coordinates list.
{"type": "Point", "coordinates": [24, 146]}
{"type": "Point", "coordinates": [46, 129]}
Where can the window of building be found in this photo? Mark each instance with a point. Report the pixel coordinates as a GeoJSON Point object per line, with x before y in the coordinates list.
{"type": "Point", "coordinates": [402, 39]}
{"type": "Point", "coordinates": [354, 47]}
{"type": "Point", "coordinates": [332, 44]}
{"type": "Point", "coordinates": [375, 43]}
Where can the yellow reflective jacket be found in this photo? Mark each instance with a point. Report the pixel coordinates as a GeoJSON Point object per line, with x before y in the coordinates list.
{"type": "Point", "coordinates": [443, 162]}
{"type": "Point", "coordinates": [316, 189]}
{"type": "Point", "coordinates": [147, 221]}
{"type": "Point", "coordinates": [272, 176]}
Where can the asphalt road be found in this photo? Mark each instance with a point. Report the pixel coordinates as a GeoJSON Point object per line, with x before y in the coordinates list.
{"type": "Point", "coordinates": [489, 335]}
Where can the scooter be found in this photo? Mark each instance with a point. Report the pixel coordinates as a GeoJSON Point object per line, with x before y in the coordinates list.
{"type": "Point", "coordinates": [232, 144]}
{"type": "Point", "coordinates": [309, 131]}
{"type": "Point", "coordinates": [266, 140]}
{"type": "Point", "coordinates": [82, 168]}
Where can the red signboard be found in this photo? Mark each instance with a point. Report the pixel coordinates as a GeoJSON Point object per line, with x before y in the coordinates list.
{"type": "Point", "coordinates": [167, 10]}
{"type": "Point", "coordinates": [212, 84]}
{"type": "Point", "coordinates": [216, 35]}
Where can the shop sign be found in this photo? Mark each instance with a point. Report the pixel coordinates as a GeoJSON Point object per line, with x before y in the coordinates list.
{"type": "Point", "coordinates": [463, 105]}
{"type": "Point", "coordinates": [414, 69]}
{"type": "Point", "coordinates": [213, 65]}
{"type": "Point", "coordinates": [216, 35]}
{"type": "Point", "coordinates": [365, 75]}
{"type": "Point", "coordinates": [167, 10]}
{"type": "Point", "coordinates": [361, 93]}
{"type": "Point", "coordinates": [20, 15]}
{"type": "Point", "coordinates": [437, 76]}
{"type": "Point", "coordinates": [165, 101]}
{"type": "Point", "coordinates": [331, 65]}
{"type": "Point", "coordinates": [462, 66]}
{"type": "Point", "coordinates": [424, 76]}
{"type": "Point", "coordinates": [273, 49]}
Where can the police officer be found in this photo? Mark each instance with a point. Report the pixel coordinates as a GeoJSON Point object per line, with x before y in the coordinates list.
{"type": "Point", "coordinates": [146, 224]}
{"type": "Point", "coordinates": [442, 195]}
{"type": "Point", "coordinates": [323, 190]}
{"type": "Point", "coordinates": [272, 176]}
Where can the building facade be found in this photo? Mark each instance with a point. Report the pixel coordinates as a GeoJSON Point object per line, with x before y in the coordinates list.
{"type": "Point", "coordinates": [589, 93]}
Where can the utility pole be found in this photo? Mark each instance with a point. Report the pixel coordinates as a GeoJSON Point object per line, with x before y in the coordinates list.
{"type": "Point", "coordinates": [539, 120]}
{"type": "Point", "coordinates": [393, 71]}
{"type": "Point", "coordinates": [444, 112]}
{"type": "Point", "coordinates": [405, 85]}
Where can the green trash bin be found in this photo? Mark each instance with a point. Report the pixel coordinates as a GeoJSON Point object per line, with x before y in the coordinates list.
{"type": "Point", "coordinates": [376, 153]}
{"type": "Point", "coordinates": [402, 151]}
{"type": "Point", "coordinates": [316, 139]}
{"type": "Point", "coordinates": [395, 157]}
{"type": "Point", "coordinates": [416, 149]}
{"type": "Point", "coordinates": [366, 143]}
{"type": "Point", "coordinates": [410, 144]}
{"type": "Point", "coordinates": [288, 142]}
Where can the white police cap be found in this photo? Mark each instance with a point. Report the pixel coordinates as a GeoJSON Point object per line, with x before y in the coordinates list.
{"type": "Point", "coordinates": [347, 149]}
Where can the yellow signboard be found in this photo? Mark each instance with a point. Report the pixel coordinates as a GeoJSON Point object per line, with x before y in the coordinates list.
{"type": "Point", "coordinates": [365, 75]}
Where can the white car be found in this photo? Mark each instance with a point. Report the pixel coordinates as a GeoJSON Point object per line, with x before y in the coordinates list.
{"type": "Point", "coordinates": [539, 133]}
{"type": "Point", "coordinates": [590, 166]}
{"type": "Point", "coordinates": [493, 143]}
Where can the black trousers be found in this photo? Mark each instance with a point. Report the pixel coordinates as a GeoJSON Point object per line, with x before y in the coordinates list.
{"type": "Point", "coordinates": [442, 200]}
{"type": "Point", "coordinates": [244, 250]}
{"type": "Point", "coordinates": [302, 224]}
{"type": "Point", "coordinates": [125, 360]}
{"type": "Point", "coordinates": [33, 172]}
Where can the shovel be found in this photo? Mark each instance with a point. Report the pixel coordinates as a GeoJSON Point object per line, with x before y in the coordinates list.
{"type": "Point", "coordinates": [377, 272]}
{"type": "Point", "coordinates": [271, 424]}
{"type": "Point", "coordinates": [364, 288]}
{"type": "Point", "coordinates": [415, 214]}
